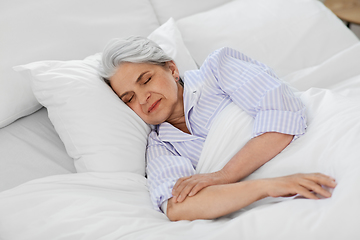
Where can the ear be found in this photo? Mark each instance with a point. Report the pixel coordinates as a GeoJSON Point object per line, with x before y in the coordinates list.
{"type": "Point", "coordinates": [174, 70]}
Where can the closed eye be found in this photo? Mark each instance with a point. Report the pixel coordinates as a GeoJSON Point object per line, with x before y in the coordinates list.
{"type": "Point", "coordinates": [128, 101]}
{"type": "Point", "coordinates": [127, 98]}
{"type": "Point", "coordinates": [147, 80]}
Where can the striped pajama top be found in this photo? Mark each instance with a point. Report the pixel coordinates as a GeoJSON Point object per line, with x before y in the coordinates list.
{"type": "Point", "coordinates": [226, 76]}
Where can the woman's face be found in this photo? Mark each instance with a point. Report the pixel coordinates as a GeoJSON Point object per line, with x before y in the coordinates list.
{"type": "Point", "coordinates": [150, 90]}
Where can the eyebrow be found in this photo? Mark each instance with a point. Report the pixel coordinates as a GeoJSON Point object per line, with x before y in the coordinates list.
{"type": "Point", "coordinates": [137, 80]}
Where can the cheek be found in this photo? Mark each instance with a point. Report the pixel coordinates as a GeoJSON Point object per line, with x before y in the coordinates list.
{"type": "Point", "coordinates": [137, 109]}
{"type": "Point", "coordinates": [133, 107]}
{"type": "Point", "coordinates": [169, 87]}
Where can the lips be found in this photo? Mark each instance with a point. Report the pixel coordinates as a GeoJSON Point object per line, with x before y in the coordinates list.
{"type": "Point", "coordinates": [154, 105]}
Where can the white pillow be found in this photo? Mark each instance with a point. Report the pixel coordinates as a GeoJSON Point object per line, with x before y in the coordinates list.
{"type": "Point", "coordinates": [170, 40]}
{"type": "Point", "coordinates": [287, 35]}
{"type": "Point", "coordinates": [98, 130]}
{"type": "Point", "coordinates": [62, 30]}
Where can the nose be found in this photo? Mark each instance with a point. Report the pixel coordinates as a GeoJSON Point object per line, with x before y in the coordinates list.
{"type": "Point", "coordinates": [144, 97]}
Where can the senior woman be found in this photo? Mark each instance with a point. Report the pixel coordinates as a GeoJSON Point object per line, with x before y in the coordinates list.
{"type": "Point", "coordinates": [182, 112]}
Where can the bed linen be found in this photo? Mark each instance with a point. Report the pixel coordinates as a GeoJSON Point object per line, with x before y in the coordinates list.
{"type": "Point", "coordinates": [118, 206]}
{"type": "Point", "coordinates": [95, 205]}
{"type": "Point", "coordinates": [330, 146]}
{"type": "Point", "coordinates": [285, 35]}
{"type": "Point", "coordinates": [31, 149]}
{"type": "Point", "coordinates": [342, 69]}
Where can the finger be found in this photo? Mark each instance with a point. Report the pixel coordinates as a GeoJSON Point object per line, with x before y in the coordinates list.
{"type": "Point", "coordinates": [310, 185]}
{"type": "Point", "coordinates": [176, 189]}
{"type": "Point", "coordinates": [180, 180]}
{"type": "Point", "coordinates": [320, 175]}
{"type": "Point", "coordinates": [305, 192]}
{"type": "Point", "coordinates": [197, 188]}
{"type": "Point", "coordinates": [326, 176]}
{"type": "Point", "coordinates": [185, 191]}
{"type": "Point", "coordinates": [322, 179]}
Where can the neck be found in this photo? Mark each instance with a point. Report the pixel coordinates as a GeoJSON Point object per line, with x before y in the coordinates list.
{"type": "Point", "coordinates": [177, 119]}
{"type": "Point", "coordinates": [181, 124]}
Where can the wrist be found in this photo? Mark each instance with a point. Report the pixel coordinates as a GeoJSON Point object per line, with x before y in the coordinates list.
{"type": "Point", "coordinates": [264, 187]}
{"type": "Point", "coordinates": [225, 177]}
{"type": "Point", "coordinates": [259, 187]}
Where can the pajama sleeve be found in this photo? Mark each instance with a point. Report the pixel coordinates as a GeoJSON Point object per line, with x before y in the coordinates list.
{"type": "Point", "coordinates": [256, 89]}
{"type": "Point", "coordinates": [164, 168]}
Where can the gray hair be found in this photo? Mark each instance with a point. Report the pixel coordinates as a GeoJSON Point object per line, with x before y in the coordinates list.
{"type": "Point", "coordinates": [133, 49]}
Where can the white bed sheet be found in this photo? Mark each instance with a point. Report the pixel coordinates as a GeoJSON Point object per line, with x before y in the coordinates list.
{"type": "Point", "coordinates": [31, 149]}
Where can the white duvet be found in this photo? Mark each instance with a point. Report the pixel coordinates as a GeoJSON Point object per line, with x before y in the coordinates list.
{"type": "Point", "coordinates": [117, 205]}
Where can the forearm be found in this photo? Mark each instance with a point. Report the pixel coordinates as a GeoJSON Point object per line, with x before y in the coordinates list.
{"type": "Point", "coordinates": [254, 154]}
{"type": "Point", "coordinates": [216, 201]}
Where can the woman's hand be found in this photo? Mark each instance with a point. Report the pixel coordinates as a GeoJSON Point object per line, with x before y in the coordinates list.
{"type": "Point", "coordinates": [306, 185]}
{"type": "Point", "coordinates": [191, 185]}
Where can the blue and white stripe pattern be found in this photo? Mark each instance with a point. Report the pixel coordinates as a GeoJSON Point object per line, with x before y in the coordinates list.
{"type": "Point", "coordinates": [226, 76]}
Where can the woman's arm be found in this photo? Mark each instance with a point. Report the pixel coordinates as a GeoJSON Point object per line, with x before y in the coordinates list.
{"type": "Point", "coordinates": [218, 200]}
{"type": "Point", "coordinates": [253, 155]}
{"type": "Point", "coordinates": [278, 116]}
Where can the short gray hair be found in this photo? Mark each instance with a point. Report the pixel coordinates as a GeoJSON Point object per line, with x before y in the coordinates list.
{"type": "Point", "coordinates": [134, 49]}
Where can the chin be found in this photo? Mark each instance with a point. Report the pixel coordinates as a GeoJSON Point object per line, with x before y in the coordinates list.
{"type": "Point", "coordinates": [151, 122]}
{"type": "Point", "coordinates": [154, 123]}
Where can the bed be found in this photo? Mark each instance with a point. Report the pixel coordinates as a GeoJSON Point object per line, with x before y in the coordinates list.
{"type": "Point", "coordinates": [72, 162]}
